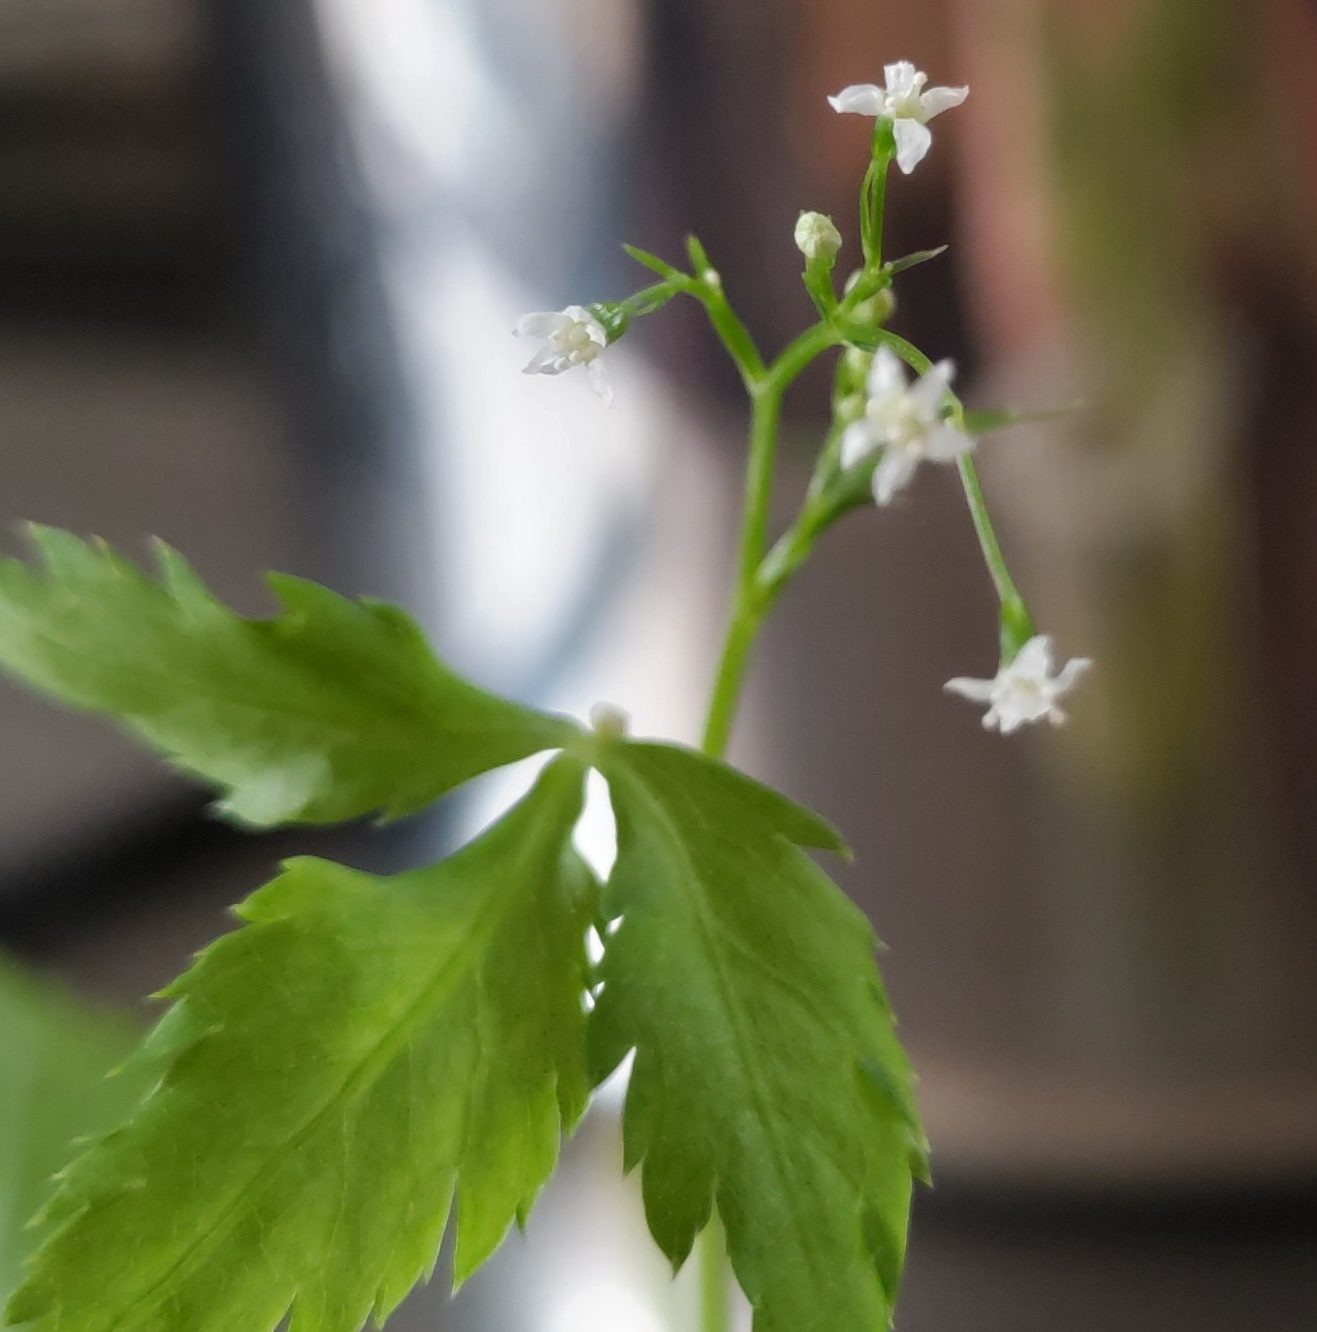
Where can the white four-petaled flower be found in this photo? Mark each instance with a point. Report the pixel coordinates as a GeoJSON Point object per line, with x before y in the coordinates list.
{"type": "Point", "coordinates": [905, 421]}
{"type": "Point", "coordinates": [906, 103]}
{"type": "Point", "coordinates": [1025, 689]}
{"type": "Point", "coordinates": [571, 337]}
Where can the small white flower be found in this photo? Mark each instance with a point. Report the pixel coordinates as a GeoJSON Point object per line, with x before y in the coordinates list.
{"type": "Point", "coordinates": [1024, 690]}
{"type": "Point", "coordinates": [906, 103]}
{"type": "Point", "coordinates": [571, 337]}
{"type": "Point", "coordinates": [905, 421]}
{"type": "Point", "coordinates": [817, 236]}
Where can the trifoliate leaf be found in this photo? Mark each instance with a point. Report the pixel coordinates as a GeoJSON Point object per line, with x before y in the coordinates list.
{"type": "Point", "coordinates": [768, 1078]}
{"type": "Point", "coordinates": [328, 1076]}
{"type": "Point", "coordinates": [54, 1058]}
{"type": "Point", "coordinates": [331, 710]}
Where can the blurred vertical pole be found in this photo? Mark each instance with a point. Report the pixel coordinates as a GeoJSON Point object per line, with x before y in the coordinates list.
{"type": "Point", "coordinates": [314, 265]}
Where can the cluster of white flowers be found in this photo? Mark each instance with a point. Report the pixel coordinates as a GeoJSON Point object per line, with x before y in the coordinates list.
{"type": "Point", "coordinates": [906, 103]}
{"type": "Point", "coordinates": [908, 422]}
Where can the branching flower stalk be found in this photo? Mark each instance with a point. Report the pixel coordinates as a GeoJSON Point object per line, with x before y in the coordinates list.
{"type": "Point", "coordinates": [364, 1059]}
{"type": "Point", "coordinates": [876, 444]}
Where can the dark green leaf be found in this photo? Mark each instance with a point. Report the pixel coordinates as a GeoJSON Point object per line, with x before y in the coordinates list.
{"type": "Point", "coordinates": [768, 1077]}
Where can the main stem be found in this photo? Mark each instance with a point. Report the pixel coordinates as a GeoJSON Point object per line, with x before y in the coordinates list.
{"type": "Point", "coordinates": [749, 604]}
{"type": "Point", "coordinates": [715, 1278]}
{"type": "Point", "coordinates": [747, 610]}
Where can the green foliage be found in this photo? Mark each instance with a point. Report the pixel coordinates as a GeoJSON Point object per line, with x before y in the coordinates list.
{"type": "Point", "coordinates": [331, 710]}
{"type": "Point", "coordinates": [768, 1077]}
{"type": "Point", "coordinates": [54, 1057]}
{"type": "Point", "coordinates": [331, 1075]}
{"type": "Point", "coordinates": [326, 1077]}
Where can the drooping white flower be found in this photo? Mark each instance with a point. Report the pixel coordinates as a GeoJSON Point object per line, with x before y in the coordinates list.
{"type": "Point", "coordinates": [1025, 689]}
{"type": "Point", "coordinates": [905, 421]}
{"type": "Point", "coordinates": [571, 337]}
{"type": "Point", "coordinates": [906, 103]}
{"type": "Point", "coordinates": [817, 236]}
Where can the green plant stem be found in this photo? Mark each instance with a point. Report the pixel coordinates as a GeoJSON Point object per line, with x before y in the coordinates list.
{"type": "Point", "coordinates": [715, 1278]}
{"type": "Point", "coordinates": [1007, 592]}
{"type": "Point", "coordinates": [748, 605]}
{"type": "Point", "coordinates": [873, 196]}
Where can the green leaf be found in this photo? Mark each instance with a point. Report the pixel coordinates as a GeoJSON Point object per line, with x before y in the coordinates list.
{"type": "Point", "coordinates": [903, 265]}
{"type": "Point", "coordinates": [327, 1077]}
{"type": "Point", "coordinates": [657, 265]}
{"type": "Point", "coordinates": [331, 710]}
{"type": "Point", "coordinates": [54, 1058]}
{"type": "Point", "coordinates": [767, 1076]}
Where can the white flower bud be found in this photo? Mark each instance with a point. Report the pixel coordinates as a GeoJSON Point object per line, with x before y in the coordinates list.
{"type": "Point", "coordinates": [817, 236]}
{"type": "Point", "coordinates": [609, 721]}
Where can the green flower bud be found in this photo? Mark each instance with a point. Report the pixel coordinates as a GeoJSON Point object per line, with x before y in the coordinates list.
{"type": "Point", "coordinates": [817, 237]}
{"type": "Point", "coordinates": [876, 311]}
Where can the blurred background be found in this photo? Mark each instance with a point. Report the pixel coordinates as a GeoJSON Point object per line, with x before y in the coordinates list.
{"type": "Point", "coordinates": [258, 264]}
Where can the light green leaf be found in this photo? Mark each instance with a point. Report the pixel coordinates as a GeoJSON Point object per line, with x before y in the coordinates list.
{"type": "Point", "coordinates": [895, 267]}
{"type": "Point", "coordinates": [987, 421]}
{"type": "Point", "coordinates": [54, 1058]}
{"type": "Point", "coordinates": [331, 710]}
{"type": "Point", "coordinates": [656, 265]}
{"type": "Point", "coordinates": [328, 1075]}
{"type": "Point", "coordinates": [767, 1076]}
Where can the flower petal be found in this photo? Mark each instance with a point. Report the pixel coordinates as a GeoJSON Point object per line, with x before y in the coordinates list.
{"type": "Point", "coordinates": [913, 141]}
{"type": "Point", "coordinates": [977, 691]}
{"type": "Point", "coordinates": [930, 392]}
{"type": "Point", "coordinates": [857, 443]}
{"type": "Point", "coordinates": [893, 474]}
{"type": "Point", "coordinates": [542, 324]}
{"type": "Point", "coordinates": [860, 99]}
{"type": "Point", "coordinates": [946, 443]}
{"type": "Point", "coordinates": [599, 382]}
{"type": "Point", "coordinates": [887, 374]}
{"type": "Point", "coordinates": [937, 100]}
{"type": "Point", "coordinates": [1034, 659]}
{"type": "Point", "coordinates": [902, 78]}
{"type": "Point", "coordinates": [1069, 674]}
{"type": "Point", "coordinates": [546, 361]}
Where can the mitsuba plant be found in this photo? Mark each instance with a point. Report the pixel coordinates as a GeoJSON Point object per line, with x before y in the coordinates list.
{"type": "Point", "coordinates": [365, 1058]}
